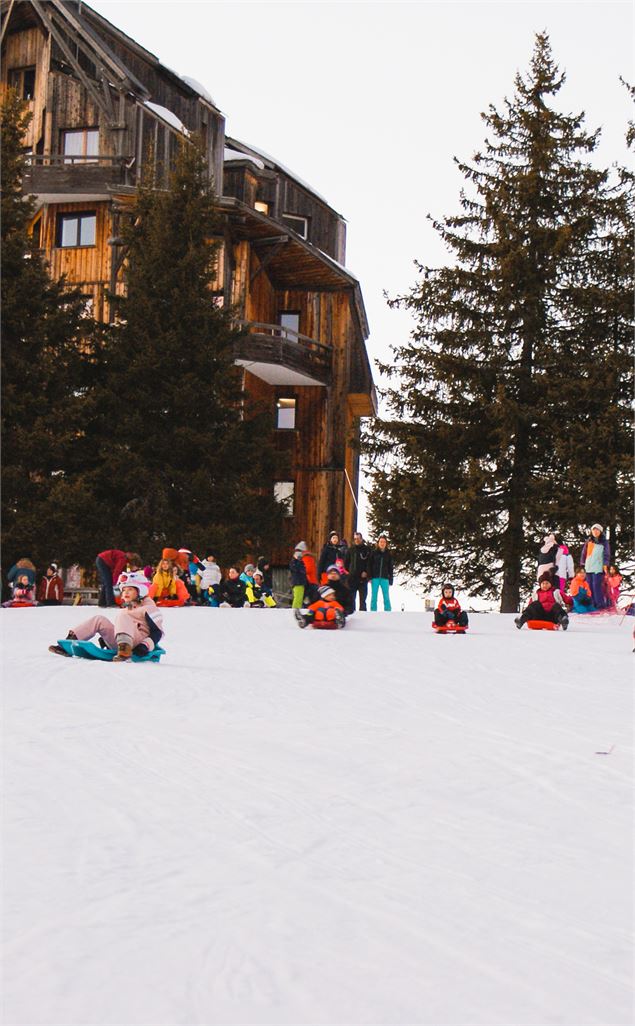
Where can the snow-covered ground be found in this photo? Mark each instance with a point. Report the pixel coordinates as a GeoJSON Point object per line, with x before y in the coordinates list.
{"type": "Point", "coordinates": [375, 825]}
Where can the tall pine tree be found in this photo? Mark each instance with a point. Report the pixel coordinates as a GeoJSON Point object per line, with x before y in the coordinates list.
{"type": "Point", "coordinates": [511, 391]}
{"type": "Point", "coordinates": [184, 458]}
{"type": "Point", "coordinates": [49, 352]}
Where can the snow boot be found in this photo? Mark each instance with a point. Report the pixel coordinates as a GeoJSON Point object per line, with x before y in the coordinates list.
{"type": "Point", "coordinates": [140, 650]}
{"type": "Point", "coordinates": [340, 619]}
{"type": "Point", "coordinates": [124, 649]}
{"type": "Point", "coordinates": [519, 622]}
{"type": "Point", "coordinates": [301, 618]}
{"type": "Point", "coordinates": [57, 650]}
{"type": "Point", "coordinates": [564, 622]}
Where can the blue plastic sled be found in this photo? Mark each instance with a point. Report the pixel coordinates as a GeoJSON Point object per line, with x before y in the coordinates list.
{"type": "Point", "coordinates": [88, 650]}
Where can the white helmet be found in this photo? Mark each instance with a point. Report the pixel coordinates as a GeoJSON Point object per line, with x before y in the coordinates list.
{"type": "Point", "coordinates": [135, 579]}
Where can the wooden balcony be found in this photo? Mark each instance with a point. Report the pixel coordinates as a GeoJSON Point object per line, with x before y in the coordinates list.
{"type": "Point", "coordinates": [281, 356]}
{"type": "Point", "coordinates": [56, 175]}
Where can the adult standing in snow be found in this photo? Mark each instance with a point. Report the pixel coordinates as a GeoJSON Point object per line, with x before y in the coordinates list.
{"type": "Point", "coordinates": [547, 556]}
{"type": "Point", "coordinates": [110, 564]}
{"type": "Point", "coordinates": [380, 573]}
{"type": "Point", "coordinates": [357, 563]}
{"type": "Point", "coordinates": [595, 557]}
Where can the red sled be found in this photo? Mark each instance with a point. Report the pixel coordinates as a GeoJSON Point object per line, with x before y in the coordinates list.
{"type": "Point", "coordinates": [449, 628]}
{"type": "Point", "coordinates": [22, 605]}
{"type": "Point", "coordinates": [542, 625]}
{"type": "Point", "coordinates": [324, 625]}
{"type": "Point", "coordinates": [169, 602]}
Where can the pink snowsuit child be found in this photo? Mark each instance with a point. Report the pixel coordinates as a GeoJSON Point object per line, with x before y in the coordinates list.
{"type": "Point", "coordinates": [613, 583]}
{"type": "Point", "coordinates": [138, 624]}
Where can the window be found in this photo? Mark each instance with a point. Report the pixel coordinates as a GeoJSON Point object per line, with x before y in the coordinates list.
{"type": "Point", "coordinates": [262, 207]}
{"type": "Point", "coordinates": [290, 320]}
{"type": "Point", "coordinates": [81, 142]}
{"type": "Point", "coordinates": [299, 224]}
{"type": "Point", "coordinates": [23, 81]}
{"type": "Point", "coordinates": [76, 229]}
{"type": "Point", "coordinates": [283, 492]}
{"type": "Point", "coordinates": [285, 414]}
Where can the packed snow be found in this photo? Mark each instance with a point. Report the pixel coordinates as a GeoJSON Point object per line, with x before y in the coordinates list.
{"type": "Point", "coordinates": [272, 826]}
{"type": "Point", "coordinates": [168, 116]}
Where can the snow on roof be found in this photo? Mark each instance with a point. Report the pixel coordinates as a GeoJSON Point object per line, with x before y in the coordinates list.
{"type": "Point", "coordinates": [239, 155]}
{"type": "Point", "coordinates": [168, 116]}
{"type": "Point", "coordinates": [276, 163]}
{"type": "Point", "coordinates": [198, 88]}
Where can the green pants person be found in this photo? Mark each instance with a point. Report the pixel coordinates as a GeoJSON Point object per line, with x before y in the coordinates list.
{"type": "Point", "coordinates": [298, 596]}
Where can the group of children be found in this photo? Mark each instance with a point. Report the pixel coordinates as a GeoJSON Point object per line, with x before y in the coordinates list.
{"type": "Point", "coordinates": [21, 578]}
{"type": "Point", "coordinates": [593, 587]}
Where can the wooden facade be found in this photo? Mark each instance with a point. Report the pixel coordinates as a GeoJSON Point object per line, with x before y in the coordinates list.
{"type": "Point", "coordinates": [101, 104]}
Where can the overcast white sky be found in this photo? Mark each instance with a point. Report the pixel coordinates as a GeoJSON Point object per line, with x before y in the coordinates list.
{"type": "Point", "coordinates": [369, 102]}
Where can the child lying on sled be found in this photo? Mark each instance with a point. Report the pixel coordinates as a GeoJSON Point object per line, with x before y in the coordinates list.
{"type": "Point", "coordinates": [325, 612]}
{"type": "Point", "coordinates": [138, 625]}
{"type": "Point", "coordinates": [546, 604]}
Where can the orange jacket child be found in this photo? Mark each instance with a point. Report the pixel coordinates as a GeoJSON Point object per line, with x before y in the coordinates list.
{"type": "Point", "coordinates": [325, 612]}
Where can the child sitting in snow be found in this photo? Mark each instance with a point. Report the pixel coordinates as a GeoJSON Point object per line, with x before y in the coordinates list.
{"type": "Point", "coordinates": [580, 592]}
{"type": "Point", "coordinates": [232, 589]}
{"type": "Point", "coordinates": [23, 592]}
{"type": "Point", "coordinates": [546, 604]}
{"type": "Point", "coordinates": [448, 609]}
{"type": "Point", "coordinates": [326, 611]}
{"type": "Point", "coordinates": [167, 586]}
{"type": "Point", "coordinates": [256, 595]}
{"type": "Point", "coordinates": [138, 625]}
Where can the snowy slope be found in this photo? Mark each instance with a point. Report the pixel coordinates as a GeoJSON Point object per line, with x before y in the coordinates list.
{"type": "Point", "coordinates": [277, 826]}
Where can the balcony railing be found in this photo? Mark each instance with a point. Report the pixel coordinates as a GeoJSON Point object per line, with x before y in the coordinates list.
{"type": "Point", "coordinates": [69, 173]}
{"type": "Point", "coordinates": [282, 356]}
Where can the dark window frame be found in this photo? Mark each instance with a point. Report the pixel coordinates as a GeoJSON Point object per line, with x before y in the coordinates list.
{"type": "Point", "coordinates": [296, 217]}
{"type": "Point", "coordinates": [17, 79]}
{"type": "Point", "coordinates": [79, 215]}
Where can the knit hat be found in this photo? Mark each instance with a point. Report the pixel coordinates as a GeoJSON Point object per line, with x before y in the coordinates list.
{"type": "Point", "coordinates": [53, 566]}
{"type": "Point", "coordinates": [137, 579]}
{"type": "Point", "coordinates": [325, 590]}
{"type": "Point", "coordinates": [545, 577]}
{"type": "Point", "coordinates": [334, 534]}
{"type": "Point", "coordinates": [599, 527]}
{"type": "Point", "coordinates": [249, 569]}
{"type": "Point", "coordinates": [301, 547]}
{"type": "Point", "coordinates": [332, 567]}
{"type": "Point", "coordinates": [259, 573]}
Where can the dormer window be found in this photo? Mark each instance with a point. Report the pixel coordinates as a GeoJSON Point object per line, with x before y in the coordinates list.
{"type": "Point", "coordinates": [299, 224]}
{"type": "Point", "coordinates": [82, 144]}
{"type": "Point", "coordinates": [23, 81]}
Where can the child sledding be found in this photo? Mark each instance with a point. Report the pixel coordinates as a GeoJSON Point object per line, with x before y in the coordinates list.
{"type": "Point", "coordinates": [325, 613]}
{"type": "Point", "coordinates": [449, 618]}
{"type": "Point", "coordinates": [546, 610]}
{"type": "Point", "coordinates": [134, 636]}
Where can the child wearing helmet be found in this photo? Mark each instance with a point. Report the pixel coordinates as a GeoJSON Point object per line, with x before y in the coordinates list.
{"type": "Point", "coordinates": [326, 611]}
{"type": "Point", "coordinates": [138, 625]}
{"type": "Point", "coordinates": [448, 609]}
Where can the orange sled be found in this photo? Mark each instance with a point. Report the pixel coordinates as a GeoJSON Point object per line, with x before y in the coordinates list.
{"type": "Point", "coordinates": [542, 625]}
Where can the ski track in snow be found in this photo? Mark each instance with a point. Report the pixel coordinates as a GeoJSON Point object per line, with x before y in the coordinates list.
{"type": "Point", "coordinates": [274, 826]}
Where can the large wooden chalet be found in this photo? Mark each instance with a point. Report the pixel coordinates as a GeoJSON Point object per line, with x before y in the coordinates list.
{"type": "Point", "coordinates": [100, 104]}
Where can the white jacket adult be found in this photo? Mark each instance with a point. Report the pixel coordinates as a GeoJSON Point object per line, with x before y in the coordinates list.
{"type": "Point", "coordinates": [211, 575]}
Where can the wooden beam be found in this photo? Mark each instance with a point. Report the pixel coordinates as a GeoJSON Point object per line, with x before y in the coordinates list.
{"type": "Point", "coordinates": [6, 21]}
{"type": "Point", "coordinates": [273, 247]}
{"type": "Point", "coordinates": [79, 71]}
{"type": "Point", "coordinates": [88, 41]}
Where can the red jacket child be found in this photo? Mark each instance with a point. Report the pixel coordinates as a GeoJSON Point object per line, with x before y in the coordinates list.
{"type": "Point", "coordinates": [50, 590]}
